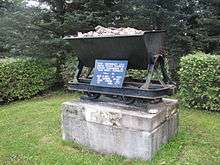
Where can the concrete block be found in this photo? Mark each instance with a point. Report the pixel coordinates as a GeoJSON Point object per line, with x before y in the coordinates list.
{"type": "Point", "coordinates": [115, 128]}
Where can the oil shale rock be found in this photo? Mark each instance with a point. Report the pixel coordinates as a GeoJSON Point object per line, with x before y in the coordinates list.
{"type": "Point", "coordinates": [108, 32]}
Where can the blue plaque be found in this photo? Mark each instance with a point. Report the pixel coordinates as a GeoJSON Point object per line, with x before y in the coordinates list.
{"type": "Point", "coordinates": [109, 73]}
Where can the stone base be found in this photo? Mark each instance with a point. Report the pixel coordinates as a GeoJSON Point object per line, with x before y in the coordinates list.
{"type": "Point", "coordinates": [115, 128]}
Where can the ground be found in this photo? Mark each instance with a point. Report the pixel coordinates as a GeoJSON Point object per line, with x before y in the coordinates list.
{"type": "Point", "coordinates": [30, 134]}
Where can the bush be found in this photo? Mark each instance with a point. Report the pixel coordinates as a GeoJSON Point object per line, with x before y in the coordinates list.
{"type": "Point", "coordinates": [24, 78]}
{"type": "Point", "coordinates": [137, 74]}
{"type": "Point", "coordinates": [200, 81]}
{"type": "Point", "coordinates": [68, 69]}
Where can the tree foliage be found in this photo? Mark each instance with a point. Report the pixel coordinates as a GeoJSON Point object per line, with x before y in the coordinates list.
{"type": "Point", "coordinates": [190, 24]}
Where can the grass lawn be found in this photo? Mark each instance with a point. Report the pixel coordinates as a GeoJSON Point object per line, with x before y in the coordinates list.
{"type": "Point", "coordinates": [30, 134]}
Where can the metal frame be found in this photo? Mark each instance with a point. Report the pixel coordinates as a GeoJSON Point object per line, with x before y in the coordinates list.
{"type": "Point", "coordinates": [125, 91]}
{"type": "Point", "coordinates": [140, 90]}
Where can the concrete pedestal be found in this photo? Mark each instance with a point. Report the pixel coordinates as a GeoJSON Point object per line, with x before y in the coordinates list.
{"type": "Point", "coordinates": [115, 128]}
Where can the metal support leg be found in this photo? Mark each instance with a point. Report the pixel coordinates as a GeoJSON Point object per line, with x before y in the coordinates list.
{"type": "Point", "coordinates": [159, 78]}
{"type": "Point", "coordinates": [89, 72]}
{"type": "Point", "coordinates": [149, 76]}
{"type": "Point", "coordinates": [78, 72]}
{"type": "Point", "coordinates": [166, 78]}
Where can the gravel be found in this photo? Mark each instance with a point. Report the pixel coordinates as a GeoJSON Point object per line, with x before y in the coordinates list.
{"type": "Point", "coordinates": [101, 31]}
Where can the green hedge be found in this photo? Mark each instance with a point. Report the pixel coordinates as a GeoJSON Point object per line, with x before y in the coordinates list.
{"type": "Point", "coordinates": [200, 81]}
{"type": "Point", "coordinates": [24, 78]}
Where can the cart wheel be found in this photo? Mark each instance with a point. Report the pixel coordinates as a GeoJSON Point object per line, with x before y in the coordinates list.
{"type": "Point", "coordinates": [140, 102]}
{"type": "Point", "coordinates": [92, 96]}
{"type": "Point", "coordinates": [128, 100]}
{"type": "Point", "coordinates": [155, 101]}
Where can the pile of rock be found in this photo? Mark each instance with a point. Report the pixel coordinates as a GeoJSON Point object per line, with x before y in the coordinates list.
{"type": "Point", "coordinates": [111, 31]}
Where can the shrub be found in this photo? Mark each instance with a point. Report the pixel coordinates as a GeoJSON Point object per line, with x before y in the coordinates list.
{"type": "Point", "coordinates": [24, 78]}
{"type": "Point", "coordinates": [137, 74]}
{"type": "Point", "coordinates": [69, 68]}
{"type": "Point", "coordinates": [200, 81]}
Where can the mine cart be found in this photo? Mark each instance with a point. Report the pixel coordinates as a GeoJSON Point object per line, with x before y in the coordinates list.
{"type": "Point", "coordinates": [142, 52]}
